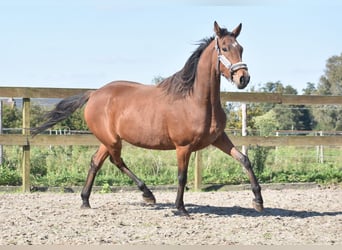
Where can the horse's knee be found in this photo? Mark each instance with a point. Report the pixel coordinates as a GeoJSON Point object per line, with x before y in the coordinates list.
{"type": "Point", "coordinates": [182, 178]}
{"type": "Point", "coordinates": [244, 160]}
{"type": "Point", "coordinates": [240, 157]}
{"type": "Point", "coordinates": [94, 168]}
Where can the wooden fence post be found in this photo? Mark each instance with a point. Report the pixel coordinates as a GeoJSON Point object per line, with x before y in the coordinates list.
{"type": "Point", "coordinates": [26, 148]}
{"type": "Point", "coordinates": [321, 150]}
{"type": "Point", "coordinates": [198, 170]}
{"type": "Point", "coordinates": [244, 149]}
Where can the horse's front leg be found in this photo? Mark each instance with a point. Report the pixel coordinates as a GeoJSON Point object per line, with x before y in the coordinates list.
{"type": "Point", "coordinates": [225, 144]}
{"type": "Point", "coordinates": [183, 156]}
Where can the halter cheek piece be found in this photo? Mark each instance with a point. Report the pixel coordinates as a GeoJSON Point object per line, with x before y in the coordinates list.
{"type": "Point", "coordinates": [224, 60]}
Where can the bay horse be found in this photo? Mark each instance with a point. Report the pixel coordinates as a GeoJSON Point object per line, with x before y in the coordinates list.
{"type": "Point", "coordinates": [183, 113]}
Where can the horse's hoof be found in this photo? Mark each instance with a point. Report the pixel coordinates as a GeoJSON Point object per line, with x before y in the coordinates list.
{"type": "Point", "coordinates": [258, 206]}
{"type": "Point", "coordinates": [150, 199]}
{"type": "Point", "coordinates": [182, 212]}
{"type": "Point", "coordinates": [85, 206]}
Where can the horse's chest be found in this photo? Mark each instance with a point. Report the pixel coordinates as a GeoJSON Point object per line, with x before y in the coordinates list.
{"type": "Point", "coordinates": [215, 126]}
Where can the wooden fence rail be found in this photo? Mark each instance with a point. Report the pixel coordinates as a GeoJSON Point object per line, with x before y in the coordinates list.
{"type": "Point", "coordinates": [26, 141]}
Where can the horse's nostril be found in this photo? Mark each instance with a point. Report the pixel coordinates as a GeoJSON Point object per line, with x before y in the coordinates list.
{"type": "Point", "coordinates": [244, 80]}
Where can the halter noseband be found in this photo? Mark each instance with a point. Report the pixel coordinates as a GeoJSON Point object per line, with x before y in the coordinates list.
{"type": "Point", "coordinates": [224, 60]}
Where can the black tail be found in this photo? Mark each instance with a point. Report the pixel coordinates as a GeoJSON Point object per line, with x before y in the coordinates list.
{"type": "Point", "coordinates": [62, 111]}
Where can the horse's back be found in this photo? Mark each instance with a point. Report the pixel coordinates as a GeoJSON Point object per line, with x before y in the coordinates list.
{"type": "Point", "coordinates": [123, 87]}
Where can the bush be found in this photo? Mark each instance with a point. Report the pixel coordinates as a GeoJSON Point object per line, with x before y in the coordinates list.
{"type": "Point", "coordinates": [259, 158]}
{"type": "Point", "coordinates": [9, 177]}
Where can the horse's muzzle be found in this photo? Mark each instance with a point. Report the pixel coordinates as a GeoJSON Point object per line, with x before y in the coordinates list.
{"type": "Point", "coordinates": [244, 80]}
{"type": "Point", "coordinates": [239, 74]}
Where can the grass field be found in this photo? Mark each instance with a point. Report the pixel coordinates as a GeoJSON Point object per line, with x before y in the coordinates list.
{"type": "Point", "coordinates": [64, 166]}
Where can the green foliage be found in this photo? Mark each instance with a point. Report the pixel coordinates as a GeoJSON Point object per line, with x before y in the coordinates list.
{"type": "Point", "coordinates": [233, 114]}
{"type": "Point", "coordinates": [292, 164]}
{"type": "Point", "coordinates": [68, 166]}
{"type": "Point", "coordinates": [157, 79]}
{"type": "Point", "coordinates": [9, 176]}
{"type": "Point", "coordinates": [329, 117]}
{"type": "Point", "coordinates": [275, 116]}
{"type": "Point", "coordinates": [36, 114]}
{"type": "Point", "coordinates": [288, 117]}
{"type": "Point", "coordinates": [106, 189]}
{"type": "Point", "coordinates": [267, 123]}
{"type": "Point", "coordinates": [74, 122]}
{"type": "Point", "coordinates": [310, 89]}
{"type": "Point", "coordinates": [10, 169]}
{"type": "Point", "coordinates": [259, 158]}
{"type": "Point", "coordinates": [331, 82]}
{"type": "Point", "coordinates": [218, 168]}
{"type": "Point", "coordinates": [11, 117]}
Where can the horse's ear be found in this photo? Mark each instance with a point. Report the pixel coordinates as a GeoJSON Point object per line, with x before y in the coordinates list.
{"type": "Point", "coordinates": [237, 30]}
{"type": "Point", "coordinates": [217, 29]}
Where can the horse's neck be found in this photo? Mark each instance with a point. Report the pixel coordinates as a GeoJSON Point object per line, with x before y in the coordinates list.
{"type": "Point", "coordinates": [207, 83]}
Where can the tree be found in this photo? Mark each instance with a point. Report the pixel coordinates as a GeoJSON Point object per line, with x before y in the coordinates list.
{"type": "Point", "coordinates": [266, 123]}
{"type": "Point", "coordinates": [289, 117]}
{"type": "Point", "coordinates": [273, 87]}
{"type": "Point", "coordinates": [11, 117]}
{"type": "Point", "coordinates": [157, 79]}
{"type": "Point", "coordinates": [329, 117]}
{"type": "Point", "coordinates": [331, 82]}
{"type": "Point", "coordinates": [74, 122]}
{"type": "Point", "coordinates": [36, 115]}
{"type": "Point", "coordinates": [310, 89]}
{"type": "Point", "coordinates": [233, 114]}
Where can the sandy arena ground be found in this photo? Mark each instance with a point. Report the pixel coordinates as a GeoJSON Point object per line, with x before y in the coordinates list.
{"type": "Point", "coordinates": [291, 217]}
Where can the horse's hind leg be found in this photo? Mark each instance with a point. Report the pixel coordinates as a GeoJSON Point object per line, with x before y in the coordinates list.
{"type": "Point", "coordinates": [224, 143]}
{"type": "Point", "coordinates": [96, 162]}
{"type": "Point", "coordinates": [115, 158]}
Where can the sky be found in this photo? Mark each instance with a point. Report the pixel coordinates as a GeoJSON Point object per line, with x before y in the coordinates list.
{"type": "Point", "coordinates": [88, 43]}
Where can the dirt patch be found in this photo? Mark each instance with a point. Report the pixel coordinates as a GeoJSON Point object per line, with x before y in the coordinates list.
{"type": "Point", "coordinates": [291, 217]}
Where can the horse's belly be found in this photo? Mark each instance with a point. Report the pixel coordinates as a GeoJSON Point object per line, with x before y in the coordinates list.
{"type": "Point", "coordinates": [146, 132]}
{"type": "Point", "coordinates": [149, 140]}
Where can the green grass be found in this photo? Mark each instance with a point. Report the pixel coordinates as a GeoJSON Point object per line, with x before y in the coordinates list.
{"type": "Point", "coordinates": [64, 166]}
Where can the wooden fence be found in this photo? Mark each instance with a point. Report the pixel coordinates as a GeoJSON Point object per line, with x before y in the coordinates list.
{"type": "Point", "coordinates": [26, 141]}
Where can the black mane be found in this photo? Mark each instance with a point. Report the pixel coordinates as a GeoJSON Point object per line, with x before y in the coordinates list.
{"type": "Point", "coordinates": [181, 83]}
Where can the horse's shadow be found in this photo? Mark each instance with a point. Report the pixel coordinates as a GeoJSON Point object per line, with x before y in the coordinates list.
{"type": "Point", "coordinates": [247, 212]}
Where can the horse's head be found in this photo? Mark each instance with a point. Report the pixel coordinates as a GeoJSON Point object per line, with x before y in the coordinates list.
{"type": "Point", "coordinates": [229, 56]}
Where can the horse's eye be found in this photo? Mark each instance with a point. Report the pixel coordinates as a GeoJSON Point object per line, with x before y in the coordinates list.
{"type": "Point", "coordinates": [225, 49]}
